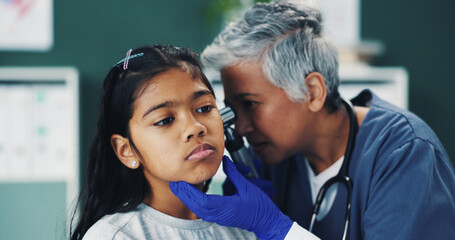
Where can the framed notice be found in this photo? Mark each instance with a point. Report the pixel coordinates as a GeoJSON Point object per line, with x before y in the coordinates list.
{"type": "Point", "coordinates": [342, 20]}
{"type": "Point", "coordinates": [39, 151]}
{"type": "Point", "coordinates": [39, 140]}
{"type": "Point", "coordinates": [26, 25]}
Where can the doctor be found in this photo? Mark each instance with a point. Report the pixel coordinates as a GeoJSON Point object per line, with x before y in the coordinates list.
{"type": "Point", "coordinates": [280, 73]}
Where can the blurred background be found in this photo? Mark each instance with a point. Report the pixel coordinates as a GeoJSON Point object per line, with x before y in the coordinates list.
{"type": "Point", "coordinates": [54, 56]}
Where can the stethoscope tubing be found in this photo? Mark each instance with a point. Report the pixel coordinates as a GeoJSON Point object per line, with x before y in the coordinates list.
{"type": "Point", "coordinates": [342, 175]}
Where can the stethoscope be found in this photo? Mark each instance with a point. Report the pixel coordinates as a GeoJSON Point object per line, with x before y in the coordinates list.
{"type": "Point", "coordinates": [342, 176]}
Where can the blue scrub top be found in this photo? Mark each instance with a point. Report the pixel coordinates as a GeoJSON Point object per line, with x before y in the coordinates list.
{"type": "Point", "coordinates": [404, 181]}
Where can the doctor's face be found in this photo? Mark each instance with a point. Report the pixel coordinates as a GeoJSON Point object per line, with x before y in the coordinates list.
{"type": "Point", "coordinates": [177, 129]}
{"type": "Point", "coordinates": [271, 122]}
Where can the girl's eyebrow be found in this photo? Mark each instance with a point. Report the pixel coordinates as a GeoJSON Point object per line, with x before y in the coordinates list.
{"type": "Point", "coordinates": [195, 96]}
{"type": "Point", "coordinates": [161, 105]}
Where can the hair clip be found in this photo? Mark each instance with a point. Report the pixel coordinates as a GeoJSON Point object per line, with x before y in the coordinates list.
{"type": "Point", "coordinates": [127, 59]}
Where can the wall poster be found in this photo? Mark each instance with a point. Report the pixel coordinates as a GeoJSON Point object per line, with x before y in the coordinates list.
{"type": "Point", "coordinates": [26, 25]}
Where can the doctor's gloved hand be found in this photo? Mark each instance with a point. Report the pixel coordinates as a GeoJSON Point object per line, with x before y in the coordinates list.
{"type": "Point", "coordinates": [250, 208]}
{"type": "Point", "coordinates": [266, 186]}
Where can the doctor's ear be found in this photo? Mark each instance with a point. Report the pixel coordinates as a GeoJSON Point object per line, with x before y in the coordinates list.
{"type": "Point", "coordinates": [317, 90]}
{"type": "Point", "coordinates": [124, 151]}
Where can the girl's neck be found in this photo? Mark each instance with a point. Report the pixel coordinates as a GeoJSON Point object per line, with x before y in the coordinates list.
{"type": "Point", "coordinates": [162, 199]}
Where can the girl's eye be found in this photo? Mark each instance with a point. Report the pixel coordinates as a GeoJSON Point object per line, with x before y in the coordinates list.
{"type": "Point", "coordinates": [164, 122]}
{"type": "Point", "coordinates": [205, 109]}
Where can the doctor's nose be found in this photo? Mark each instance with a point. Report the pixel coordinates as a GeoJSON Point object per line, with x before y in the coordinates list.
{"type": "Point", "coordinates": [193, 129]}
{"type": "Point", "coordinates": [243, 125]}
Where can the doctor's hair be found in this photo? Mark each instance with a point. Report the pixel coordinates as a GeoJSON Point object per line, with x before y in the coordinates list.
{"type": "Point", "coordinates": [287, 39]}
{"type": "Point", "coordinates": [109, 186]}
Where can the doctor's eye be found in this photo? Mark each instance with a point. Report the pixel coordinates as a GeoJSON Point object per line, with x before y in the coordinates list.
{"type": "Point", "coordinates": [249, 104]}
{"type": "Point", "coordinates": [164, 122]}
{"type": "Point", "coordinates": [205, 109]}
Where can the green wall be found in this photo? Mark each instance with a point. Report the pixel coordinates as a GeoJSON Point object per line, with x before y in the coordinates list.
{"type": "Point", "coordinates": [419, 35]}
{"type": "Point", "coordinates": [32, 211]}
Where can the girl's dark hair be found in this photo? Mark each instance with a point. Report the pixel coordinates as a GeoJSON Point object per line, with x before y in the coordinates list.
{"type": "Point", "coordinates": [110, 186]}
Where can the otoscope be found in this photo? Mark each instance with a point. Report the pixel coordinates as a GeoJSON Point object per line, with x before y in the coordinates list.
{"type": "Point", "coordinates": [234, 142]}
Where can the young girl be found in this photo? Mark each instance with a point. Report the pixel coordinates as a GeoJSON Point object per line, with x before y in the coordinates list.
{"type": "Point", "coordinates": [158, 123]}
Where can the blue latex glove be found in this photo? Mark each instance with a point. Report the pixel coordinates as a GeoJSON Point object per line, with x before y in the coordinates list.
{"type": "Point", "coordinates": [266, 186]}
{"type": "Point", "coordinates": [250, 208]}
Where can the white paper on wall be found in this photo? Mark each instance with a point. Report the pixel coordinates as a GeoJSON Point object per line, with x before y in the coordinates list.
{"type": "Point", "coordinates": [342, 20]}
{"type": "Point", "coordinates": [26, 25]}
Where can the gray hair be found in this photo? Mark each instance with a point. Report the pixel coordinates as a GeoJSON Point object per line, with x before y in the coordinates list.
{"type": "Point", "coordinates": [287, 39]}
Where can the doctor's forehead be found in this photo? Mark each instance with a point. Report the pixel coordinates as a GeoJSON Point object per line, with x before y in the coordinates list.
{"type": "Point", "coordinates": [245, 77]}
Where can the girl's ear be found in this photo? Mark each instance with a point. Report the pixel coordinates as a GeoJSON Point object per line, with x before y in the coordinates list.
{"type": "Point", "coordinates": [317, 91]}
{"type": "Point", "coordinates": [124, 152]}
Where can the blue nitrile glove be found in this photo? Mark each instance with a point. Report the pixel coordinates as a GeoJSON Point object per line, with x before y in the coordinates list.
{"type": "Point", "coordinates": [265, 185]}
{"type": "Point", "coordinates": [249, 209]}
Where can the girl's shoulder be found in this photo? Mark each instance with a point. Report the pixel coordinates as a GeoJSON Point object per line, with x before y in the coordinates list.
{"type": "Point", "coordinates": [144, 222]}
{"type": "Point", "coordinates": [111, 226]}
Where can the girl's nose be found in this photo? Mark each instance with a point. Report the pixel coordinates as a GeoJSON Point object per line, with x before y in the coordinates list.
{"type": "Point", "coordinates": [193, 129]}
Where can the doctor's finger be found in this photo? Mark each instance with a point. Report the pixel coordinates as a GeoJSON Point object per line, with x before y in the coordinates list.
{"type": "Point", "coordinates": [196, 197]}
{"type": "Point", "coordinates": [243, 169]}
{"type": "Point", "coordinates": [191, 197]}
{"type": "Point", "coordinates": [206, 201]}
{"type": "Point", "coordinates": [234, 175]}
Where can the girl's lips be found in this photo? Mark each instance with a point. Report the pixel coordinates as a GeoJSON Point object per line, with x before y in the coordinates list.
{"type": "Point", "coordinates": [200, 152]}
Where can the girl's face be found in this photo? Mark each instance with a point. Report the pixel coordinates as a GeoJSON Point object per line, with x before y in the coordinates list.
{"type": "Point", "coordinates": [177, 129]}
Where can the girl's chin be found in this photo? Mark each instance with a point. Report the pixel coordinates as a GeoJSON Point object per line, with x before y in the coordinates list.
{"type": "Point", "coordinates": [197, 184]}
{"type": "Point", "coordinates": [200, 180]}
{"type": "Point", "coordinates": [208, 174]}
{"type": "Point", "coordinates": [200, 175]}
